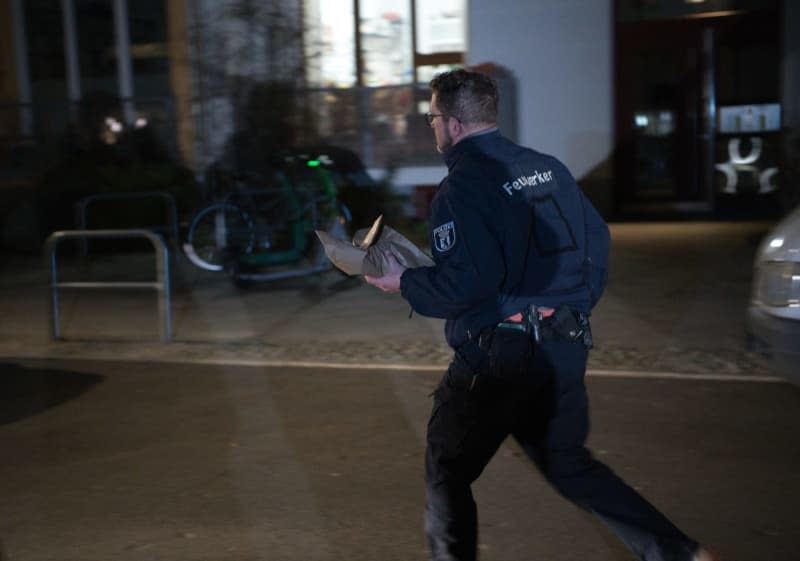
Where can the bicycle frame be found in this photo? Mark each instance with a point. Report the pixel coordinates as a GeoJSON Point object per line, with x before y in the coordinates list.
{"type": "Point", "coordinates": [320, 264]}
{"type": "Point", "coordinates": [248, 225]}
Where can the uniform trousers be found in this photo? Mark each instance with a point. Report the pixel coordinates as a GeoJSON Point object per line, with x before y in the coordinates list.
{"type": "Point", "coordinates": [547, 412]}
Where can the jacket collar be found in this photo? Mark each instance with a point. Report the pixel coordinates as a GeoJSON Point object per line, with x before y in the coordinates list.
{"type": "Point", "coordinates": [475, 142]}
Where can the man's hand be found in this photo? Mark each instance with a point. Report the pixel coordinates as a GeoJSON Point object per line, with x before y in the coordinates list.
{"type": "Point", "coordinates": [390, 282]}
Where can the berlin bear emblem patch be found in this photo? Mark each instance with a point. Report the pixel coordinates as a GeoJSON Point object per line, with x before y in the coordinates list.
{"type": "Point", "coordinates": [444, 236]}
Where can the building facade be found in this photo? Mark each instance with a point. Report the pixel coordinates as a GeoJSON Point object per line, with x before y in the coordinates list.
{"type": "Point", "coordinates": [675, 105]}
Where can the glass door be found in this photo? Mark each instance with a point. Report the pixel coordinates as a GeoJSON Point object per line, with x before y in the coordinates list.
{"type": "Point", "coordinates": [698, 116]}
{"type": "Point", "coordinates": [662, 116]}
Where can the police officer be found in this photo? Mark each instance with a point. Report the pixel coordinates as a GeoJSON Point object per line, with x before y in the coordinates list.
{"type": "Point", "coordinates": [520, 260]}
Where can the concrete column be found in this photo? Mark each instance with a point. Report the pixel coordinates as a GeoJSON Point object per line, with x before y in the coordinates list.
{"type": "Point", "coordinates": [180, 77]}
{"type": "Point", "coordinates": [124, 64]}
{"type": "Point", "coordinates": [71, 61]}
{"type": "Point", "coordinates": [8, 67]}
{"type": "Point", "coordinates": [23, 71]}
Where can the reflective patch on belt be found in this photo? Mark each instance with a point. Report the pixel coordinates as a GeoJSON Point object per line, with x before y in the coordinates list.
{"type": "Point", "coordinates": [513, 325]}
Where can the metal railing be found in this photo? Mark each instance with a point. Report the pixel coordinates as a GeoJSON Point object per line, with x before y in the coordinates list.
{"type": "Point", "coordinates": [169, 203]}
{"type": "Point", "coordinates": [161, 285]}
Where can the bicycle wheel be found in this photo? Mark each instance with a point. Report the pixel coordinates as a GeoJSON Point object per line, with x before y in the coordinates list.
{"type": "Point", "coordinates": [217, 232]}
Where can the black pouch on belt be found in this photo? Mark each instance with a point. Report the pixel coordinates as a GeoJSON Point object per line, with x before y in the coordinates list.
{"type": "Point", "coordinates": [568, 325]}
{"type": "Point", "coordinates": [510, 351]}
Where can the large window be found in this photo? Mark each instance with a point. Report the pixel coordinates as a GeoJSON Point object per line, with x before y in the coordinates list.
{"type": "Point", "coordinates": [440, 27]}
{"type": "Point", "coordinates": [97, 51]}
{"type": "Point", "coordinates": [147, 25]}
{"type": "Point", "coordinates": [386, 51]}
{"type": "Point", "coordinates": [45, 50]}
{"type": "Point", "coordinates": [395, 41]}
{"type": "Point", "coordinates": [367, 62]}
{"type": "Point", "coordinates": [330, 45]}
{"type": "Point", "coordinates": [441, 37]}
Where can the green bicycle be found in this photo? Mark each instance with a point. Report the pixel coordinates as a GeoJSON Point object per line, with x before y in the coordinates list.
{"type": "Point", "coordinates": [267, 233]}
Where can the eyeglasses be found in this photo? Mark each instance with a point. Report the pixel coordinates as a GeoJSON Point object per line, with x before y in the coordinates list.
{"type": "Point", "coordinates": [429, 117]}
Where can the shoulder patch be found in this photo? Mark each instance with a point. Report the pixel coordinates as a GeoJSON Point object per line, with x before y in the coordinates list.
{"type": "Point", "coordinates": [444, 236]}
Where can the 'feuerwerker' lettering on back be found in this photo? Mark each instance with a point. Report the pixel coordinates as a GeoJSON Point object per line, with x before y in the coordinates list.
{"type": "Point", "coordinates": [528, 180]}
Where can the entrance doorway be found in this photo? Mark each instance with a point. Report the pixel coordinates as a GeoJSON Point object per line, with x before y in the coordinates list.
{"type": "Point", "coordinates": [684, 84]}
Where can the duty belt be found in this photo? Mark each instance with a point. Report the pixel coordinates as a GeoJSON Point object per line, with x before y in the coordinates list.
{"type": "Point", "coordinates": [546, 324]}
{"type": "Point", "coordinates": [542, 324]}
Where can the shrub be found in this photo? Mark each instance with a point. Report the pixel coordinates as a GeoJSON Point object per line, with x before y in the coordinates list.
{"type": "Point", "coordinates": [137, 162]}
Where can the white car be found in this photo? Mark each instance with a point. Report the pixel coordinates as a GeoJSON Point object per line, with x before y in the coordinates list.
{"type": "Point", "coordinates": [774, 312]}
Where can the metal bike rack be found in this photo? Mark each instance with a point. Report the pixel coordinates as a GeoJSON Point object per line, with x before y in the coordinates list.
{"type": "Point", "coordinates": [168, 199]}
{"type": "Point", "coordinates": [161, 285]}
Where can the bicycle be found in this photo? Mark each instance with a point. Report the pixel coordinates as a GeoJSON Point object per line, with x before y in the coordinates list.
{"type": "Point", "coordinates": [271, 227]}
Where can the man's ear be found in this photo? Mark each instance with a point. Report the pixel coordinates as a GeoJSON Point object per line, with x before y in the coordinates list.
{"type": "Point", "coordinates": [455, 128]}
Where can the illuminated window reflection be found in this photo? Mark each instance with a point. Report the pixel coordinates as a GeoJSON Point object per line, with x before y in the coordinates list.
{"type": "Point", "coordinates": [385, 29]}
{"type": "Point", "coordinates": [388, 55]}
{"type": "Point", "coordinates": [440, 26]}
{"type": "Point", "coordinates": [330, 44]}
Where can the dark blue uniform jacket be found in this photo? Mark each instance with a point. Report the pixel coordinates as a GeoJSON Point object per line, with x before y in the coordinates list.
{"type": "Point", "coordinates": [509, 227]}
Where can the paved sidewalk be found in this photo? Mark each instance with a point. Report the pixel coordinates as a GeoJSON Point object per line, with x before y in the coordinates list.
{"type": "Point", "coordinates": [169, 458]}
{"type": "Point", "coordinates": [673, 305]}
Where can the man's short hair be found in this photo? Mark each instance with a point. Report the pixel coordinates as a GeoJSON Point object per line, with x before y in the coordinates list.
{"type": "Point", "coordinates": [470, 97]}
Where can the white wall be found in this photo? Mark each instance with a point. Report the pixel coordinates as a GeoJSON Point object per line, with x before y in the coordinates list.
{"type": "Point", "coordinates": [561, 52]}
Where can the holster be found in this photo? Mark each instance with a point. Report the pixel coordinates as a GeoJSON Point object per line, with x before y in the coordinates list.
{"type": "Point", "coordinates": [567, 325]}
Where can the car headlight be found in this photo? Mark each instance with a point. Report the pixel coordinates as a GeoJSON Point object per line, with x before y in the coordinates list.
{"type": "Point", "coordinates": [778, 284]}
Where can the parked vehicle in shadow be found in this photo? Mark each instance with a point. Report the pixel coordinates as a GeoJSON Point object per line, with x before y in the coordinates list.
{"type": "Point", "coordinates": [773, 319]}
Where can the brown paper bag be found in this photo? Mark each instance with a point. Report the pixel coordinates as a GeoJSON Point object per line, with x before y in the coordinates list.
{"type": "Point", "coordinates": [366, 254]}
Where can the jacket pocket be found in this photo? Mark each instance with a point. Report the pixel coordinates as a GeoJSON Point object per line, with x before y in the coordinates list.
{"type": "Point", "coordinates": [552, 233]}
